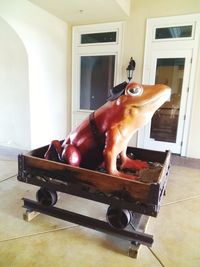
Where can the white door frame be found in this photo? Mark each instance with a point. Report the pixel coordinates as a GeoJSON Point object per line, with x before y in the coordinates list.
{"type": "Point", "coordinates": [190, 43]}
{"type": "Point", "coordinates": [78, 50]}
{"type": "Point", "coordinates": [159, 145]}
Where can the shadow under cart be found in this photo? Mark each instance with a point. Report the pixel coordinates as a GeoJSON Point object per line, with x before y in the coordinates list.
{"type": "Point", "coordinates": [130, 202]}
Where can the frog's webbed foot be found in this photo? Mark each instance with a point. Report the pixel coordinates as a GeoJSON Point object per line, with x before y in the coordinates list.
{"type": "Point", "coordinates": [124, 175]}
{"type": "Point", "coordinates": [136, 164]}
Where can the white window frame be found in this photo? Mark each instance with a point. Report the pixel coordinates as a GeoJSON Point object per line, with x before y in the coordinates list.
{"type": "Point", "coordinates": [174, 39]}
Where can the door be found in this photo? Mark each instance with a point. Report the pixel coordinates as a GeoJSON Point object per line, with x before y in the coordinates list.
{"type": "Point", "coordinates": [96, 67]}
{"type": "Point", "coordinates": [165, 131]}
{"type": "Point", "coordinates": [170, 57]}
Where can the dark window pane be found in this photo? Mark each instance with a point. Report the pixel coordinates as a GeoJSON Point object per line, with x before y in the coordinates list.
{"type": "Point", "coordinates": [102, 37]}
{"type": "Point", "coordinates": [97, 77]}
{"type": "Point", "coordinates": [164, 123]}
{"type": "Point", "coordinates": [174, 32]}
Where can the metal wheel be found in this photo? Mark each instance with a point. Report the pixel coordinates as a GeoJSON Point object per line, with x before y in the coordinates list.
{"type": "Point", "coordinates": [46, 197]}
{"type": "Point", "coordinates": [118, 218]}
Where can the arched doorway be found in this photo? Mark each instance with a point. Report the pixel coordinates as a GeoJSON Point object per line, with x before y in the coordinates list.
{"type": "Point", "coordinates": [14, 90]}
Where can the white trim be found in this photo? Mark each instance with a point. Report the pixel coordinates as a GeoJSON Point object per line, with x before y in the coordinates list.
{"type": "Point", "coordinates": [98, 28]}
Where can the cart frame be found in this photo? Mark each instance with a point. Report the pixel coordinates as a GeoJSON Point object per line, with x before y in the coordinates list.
{"type": "Point", "coordinates": [139, 199]}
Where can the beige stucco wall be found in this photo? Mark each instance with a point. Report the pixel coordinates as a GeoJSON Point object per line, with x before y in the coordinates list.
{"type": "Point", "coordinates": [134, 46]}
{"type": "Point", "coordinates": [44, 37]}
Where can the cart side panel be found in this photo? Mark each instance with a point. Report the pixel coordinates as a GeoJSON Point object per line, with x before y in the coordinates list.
{"type": "Point", "coordinates": [103, 182]}
{"type": "Point", "coordinates": [157, 189]}
{"type": "Point", "coordinates": [147, 155]}
{"type": "Point", "coordinates": [148, 193]}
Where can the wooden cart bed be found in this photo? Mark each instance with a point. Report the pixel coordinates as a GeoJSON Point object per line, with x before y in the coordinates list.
{"type": "Point", "coordinates": [34, 169]}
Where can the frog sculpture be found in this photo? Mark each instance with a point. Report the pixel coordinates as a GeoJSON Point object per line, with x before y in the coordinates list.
{"type": "Point", "coordinates": [103, 137]}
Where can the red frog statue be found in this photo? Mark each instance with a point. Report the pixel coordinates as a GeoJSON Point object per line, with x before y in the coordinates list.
{"type": "Point", "coordinates": [103, 137]}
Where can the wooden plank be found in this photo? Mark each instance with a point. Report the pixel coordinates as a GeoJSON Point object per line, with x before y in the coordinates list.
{"type": "Point", "coordinates": [29, 215]}
{"type": "Point", "coordinates": [103, 182]}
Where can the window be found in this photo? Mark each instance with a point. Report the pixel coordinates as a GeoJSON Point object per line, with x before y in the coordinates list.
{"type": "Point", "coordinates": [101, 37]}
{"type": "Point", "coordinates": [174, 32]}
{"type": "Point", "coordinates": [164, 124]}
{"type": "Point", "coordinates": [97, 77]}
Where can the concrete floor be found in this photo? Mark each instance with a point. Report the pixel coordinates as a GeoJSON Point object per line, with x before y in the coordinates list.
{"type": "Point", "coordinates": [47, 241]}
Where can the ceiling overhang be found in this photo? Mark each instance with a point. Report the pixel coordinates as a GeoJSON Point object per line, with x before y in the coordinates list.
{"type": "Point", "coordinates": [86, 11]}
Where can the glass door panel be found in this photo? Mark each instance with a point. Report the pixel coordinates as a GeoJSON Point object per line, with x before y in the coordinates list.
{"type": "Point", "coordinates": [96, 78]}
{"type": "Point", "coordinates": [164, 124]}
{"type": "Point", "coordinates": [166, 129]}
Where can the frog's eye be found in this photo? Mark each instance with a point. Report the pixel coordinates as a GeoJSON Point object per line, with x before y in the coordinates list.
{"type": "Point", "coordinates": [135, 91]}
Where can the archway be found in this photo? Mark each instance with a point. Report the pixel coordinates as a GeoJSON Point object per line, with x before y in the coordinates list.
{"type": "Point", "coordinates": [14, 90]}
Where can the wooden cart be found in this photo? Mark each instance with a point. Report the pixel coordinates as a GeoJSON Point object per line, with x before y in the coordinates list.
{"type": "Point", "coordinates": [130, 203]}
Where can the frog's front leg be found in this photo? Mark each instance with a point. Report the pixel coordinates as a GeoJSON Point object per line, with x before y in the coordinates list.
{"type": "Point", "coordinates": [113, 147]}
{"type": "Point", "coordinates": [128, 163]}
